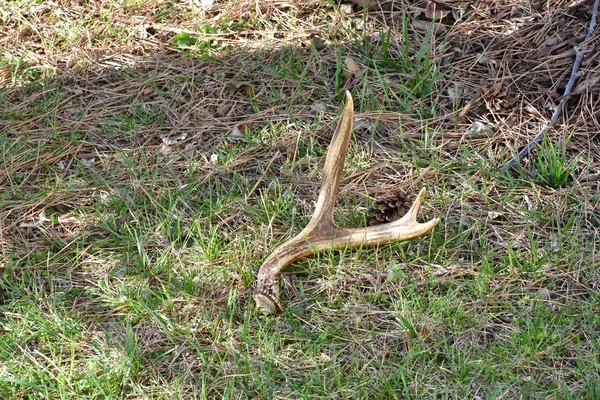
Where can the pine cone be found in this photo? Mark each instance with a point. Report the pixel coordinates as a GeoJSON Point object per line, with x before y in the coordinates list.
{"type": "Point", "coordinates": [389, 208]}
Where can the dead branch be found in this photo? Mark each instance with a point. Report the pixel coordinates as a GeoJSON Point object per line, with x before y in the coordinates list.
{"type": "Point", "coordinates": [580, 51]}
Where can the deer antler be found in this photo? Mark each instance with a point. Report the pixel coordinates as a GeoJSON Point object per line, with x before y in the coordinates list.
{"type": "Point", "coordinates": [322, 233]}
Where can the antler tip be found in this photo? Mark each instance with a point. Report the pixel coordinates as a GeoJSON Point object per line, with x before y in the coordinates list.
{"type": "Point", "coordinates": [348, 96]}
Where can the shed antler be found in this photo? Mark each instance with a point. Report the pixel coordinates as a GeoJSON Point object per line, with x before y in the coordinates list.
{"type": "Point", "coordinates": [322, 233]}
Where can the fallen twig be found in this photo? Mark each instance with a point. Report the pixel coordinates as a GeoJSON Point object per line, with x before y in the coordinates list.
{"type": "Point", "coordinates": [578, 58]}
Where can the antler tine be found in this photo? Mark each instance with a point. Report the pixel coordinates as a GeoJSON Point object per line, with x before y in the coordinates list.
{"type": "Point", "coordinates": [321, 232]}
{"type": "Point", "coordinates": [332, 170]}
{"type": "Point", "coordinates": [411, 215]}
{"type": "Point", "coordinates": [405, 228]}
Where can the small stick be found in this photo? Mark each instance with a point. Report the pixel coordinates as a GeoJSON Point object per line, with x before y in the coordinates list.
{"type": "Point", "coordinates": [579, 56]}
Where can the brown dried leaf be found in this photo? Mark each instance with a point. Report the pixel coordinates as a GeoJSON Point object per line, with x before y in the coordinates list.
{"type": "Point", "coordinates": [346, 8]}
{"type": "Point", "coordinates": [485, 60]}
{"type": "Point", "coordinates": [424, 26]}
{"type": "Point", "coordinates": [236, 134]}
{"type": "Point", "coordinates": [247, 89]}
{"type": "Point", "coordinates": [480, 130]}
{"type": "Point", "coordinates": [317, 42]}
{"type": "Point", "coordinates": [189, 151]}
{"type": "Point", "coordinates": [240, 87]}
{"type": "Point", "coordinates": [171, 140]}
{"type": "Point", "coordinates": [352, 68]}
{"type": "Point", "coordinates": [224, 109]}
{"type": "Point", "coordinates": [432, 11]}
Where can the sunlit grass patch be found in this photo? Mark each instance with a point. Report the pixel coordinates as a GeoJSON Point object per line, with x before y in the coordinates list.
{"type": "Point", "coordinates": [153, 154]}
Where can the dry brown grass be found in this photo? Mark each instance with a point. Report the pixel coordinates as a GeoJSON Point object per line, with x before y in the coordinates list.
{"type": "Point", "coordinates": [108, 130]}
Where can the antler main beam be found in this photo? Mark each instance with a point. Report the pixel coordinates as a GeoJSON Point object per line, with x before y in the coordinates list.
{"type": "Point", "coordinates": [322, 233]}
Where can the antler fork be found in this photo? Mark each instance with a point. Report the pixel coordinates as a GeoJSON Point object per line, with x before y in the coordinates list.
{"type": "Point", "coordinates": [322, 233]}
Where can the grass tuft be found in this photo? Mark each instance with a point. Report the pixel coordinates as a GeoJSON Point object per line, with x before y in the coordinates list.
{"type": "Point", "coordinates": [554, 167]}
{"type": "Point", "coordinates": [152, 154]}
